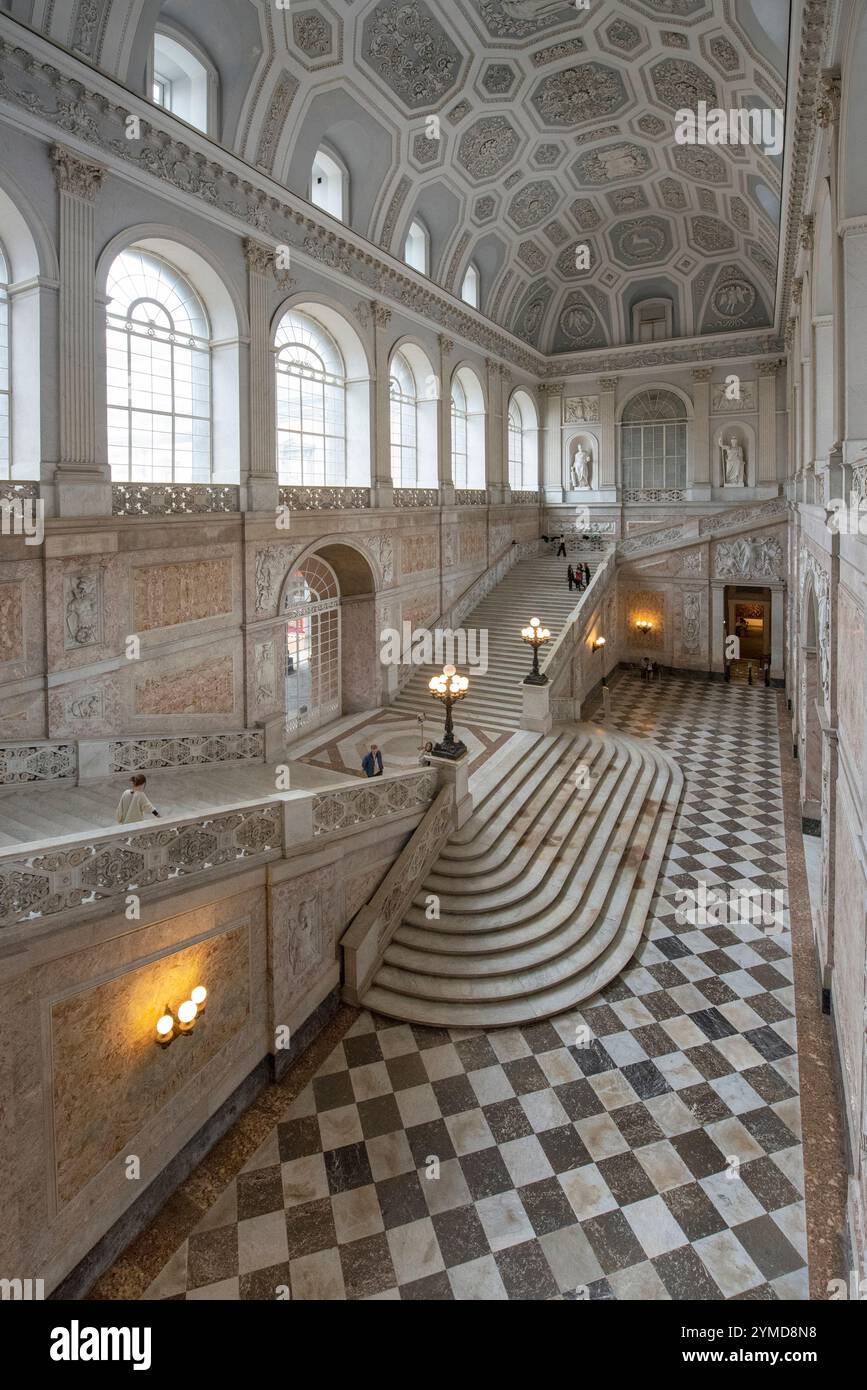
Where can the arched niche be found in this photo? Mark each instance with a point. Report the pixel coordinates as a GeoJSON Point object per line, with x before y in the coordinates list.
{"type": "Point", "coordinates": [745, 438]}
{"type": "Point", "coordinates": [227, 316]}
{"type": "Point", "coordinates": [580, 438]}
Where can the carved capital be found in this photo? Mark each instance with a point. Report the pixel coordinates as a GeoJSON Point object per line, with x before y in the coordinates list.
{"type": "Point", "coordinates": [797, 289]}
{"type": "Point", "coordinates": [362, 313]}
{"type": "Point", "coordinates": [75, 175]}
{"type": "Point", "coordinates": [552, 388]}
{"type": "Point", "coordinates": [790, 333]}
{"type": "Point", "coordinates": [447, 345]}
{"type": "Point", "coordinates": [768, 368]}
{"type": "Point", "coordinates": [805, 235]}
{"type": "Point", "coordinates": [702, 373]}
{"type": "Point", "coordinates": [259, 258]}
{"type": "Point", "coordinates": [828, 100]}
{"type": "Point", "coordinates": [381, 314]}
{"type": "Point", "coordinates": [608, 383]}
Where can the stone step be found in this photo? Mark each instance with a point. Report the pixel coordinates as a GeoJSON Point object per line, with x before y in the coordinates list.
{"type": "Point", "coordinates": [544, 893]}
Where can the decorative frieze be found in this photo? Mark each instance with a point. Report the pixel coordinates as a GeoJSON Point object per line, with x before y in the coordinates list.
{"type": "Point", "coordinates": [525, 497]}
{"type": "Point", "coordinates": [173, 499]}
{"type": "Point", "coordinates": [470, 497]}
{"type": "Point", "coordinates": [345, 807]}
{"type": "Point", "coordinates": [37, 762]}
{"type": "Point", "coordinates": [406, 497]}
{"type": "Point", "coordinates": [652, 494]}
{"type": "Point", "coordinates": [186, 750]}
{"type": "Point", "coordinates": [580, 410]}
{"type": "Point", "coordinates": [749, 557]}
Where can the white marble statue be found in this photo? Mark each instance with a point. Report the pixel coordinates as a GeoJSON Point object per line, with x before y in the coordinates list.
{"type": "Point", "coordinates": [581, 465]}
{"type": "Point", "coordinates": [734, 463]}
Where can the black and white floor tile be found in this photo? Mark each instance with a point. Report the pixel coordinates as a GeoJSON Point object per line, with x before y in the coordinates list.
{"type": "Point", "coordinates": [645, 1146]}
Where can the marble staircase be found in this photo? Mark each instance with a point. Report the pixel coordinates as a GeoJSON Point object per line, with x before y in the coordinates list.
{"type": "Point", "coordinates": [543, 894]}
{"type": "Point", "coordinates": [534, 588]}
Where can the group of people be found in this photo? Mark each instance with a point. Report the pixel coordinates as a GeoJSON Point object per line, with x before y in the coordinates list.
{"type": "Point", "coordinates": [649, 669]}
{"type": "Point", "coordinates": [578, 575]}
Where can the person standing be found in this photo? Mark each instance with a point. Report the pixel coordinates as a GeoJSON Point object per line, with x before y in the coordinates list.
{"type": "Point", "coordinates": [561, 547]}
{"type": "Point", "coordinates": [586, 569]}
{"type": "Point", "coordinates": [570, 574]}
{"type": "Point", "coordinates": [372, 762]}
{"type": "Point", "coordinates": [134, 804]}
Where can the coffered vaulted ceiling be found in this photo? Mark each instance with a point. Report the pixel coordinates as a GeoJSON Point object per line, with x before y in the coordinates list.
{"type": "Point", "coordinates": [556, 128]}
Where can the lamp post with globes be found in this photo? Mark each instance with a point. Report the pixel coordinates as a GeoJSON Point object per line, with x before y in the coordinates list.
{"type": "Point", "coordinates": [448, 689]}
{"type": "Point", "coordinates": [535, 635]}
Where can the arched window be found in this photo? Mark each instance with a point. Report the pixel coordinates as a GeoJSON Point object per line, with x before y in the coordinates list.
{"type": "Point", "coordinates": [653, 441]}
{"type": "Point", "coordinates": [468, 431]}
{"type": "Point", "coordinates": [471, 286]}
{"type": "Point", "coordinates": [404, 423]}
{"type": "Point", "coordinates": [311, 404]}
{"type": "Point", "coordinates": [415, 251]}
{"type": "Point", "coordinates": [328, 185]}
{"type": "Point", "coordinates": [182, 83]}
{"type": "Point", "coordinates": [311, 605]}
{"type": "Point", "coordinates": [5, 373]}
{"type": "Point", "coordinates": [523, 443]}
{"type": "Point", "coordinates": [158, 345]}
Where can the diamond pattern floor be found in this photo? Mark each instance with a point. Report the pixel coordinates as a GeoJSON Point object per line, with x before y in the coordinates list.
{"type": "Point", "coordinates": [653, 1155]}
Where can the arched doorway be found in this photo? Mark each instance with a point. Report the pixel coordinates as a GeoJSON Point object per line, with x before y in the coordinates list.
{"type": "Point", "coordinates": [332, 667]}
{"type": "Point", "coordinates": [311, 606]}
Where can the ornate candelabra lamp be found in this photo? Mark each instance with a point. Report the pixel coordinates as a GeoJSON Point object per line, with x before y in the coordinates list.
{"type": "Point", "coordinates": [535, 635]}
{"type": "Point", "coordinates": [448, 689]}
{"type": "Point", "coordinates": [644, 627]}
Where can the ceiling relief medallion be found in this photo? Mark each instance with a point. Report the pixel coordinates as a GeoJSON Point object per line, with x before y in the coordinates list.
{"type": "Point", "coordinates": [624, 161]}
{"type": "Point", "coordinates": [700, 163]}
{"type": "Point", "coordinates": [556, 233]}
{"type": "Point", "coordinates": [622, 36]}
{"type": "Point", "coordinates": [651, 125]}
{"type": "Point", "coordinates": [312, 34]}
{"type": "Point", "coordinates": [531, 314]}
{"type": "Point", "coordinates": [487, 147]}
{"type": "Point", "coordinates": [709, 234]}
{"type": "Point", "coordinates": [627, 199]}
{"type": "Point", "coordinates": [498, 79]}
{"type": "Point", "coordinates": [586, 214]}
{"type": "Point", "coordinates": [723, 54]}
{"type": "Point", "coordinates": [679, 84]}
{"type": "Point", "coordinates": [672, 194]}
{"type": "Point", "coordinates": [520, 19]}
{"type": "Point", "coordinates": [485, 208]}
{"type": "Point", "coordinates": [425, 151]}
{"type": "Point", "coordinates": [410, 51]}
{"type": "Point", "coordinates": [546, 156]}
{"type": "Point", "coordinates": [733, 302]}
{"type": "Point", "coordinates": [533, 203]}
{"type": "Point", "coordinates": [531, 255]}
{"type": "Point", "coordinates": [675, 9]}
{"type": "Point", "coordinates": [557, 52]}
{"type": "Point", "coordinates": [641, 241]}
{"type": "Point", "coordinates": [566, 262]}
{"type": "Point", "coordinates": [579, 94]}
{"type": "Point", "coordinates": [578, 325]}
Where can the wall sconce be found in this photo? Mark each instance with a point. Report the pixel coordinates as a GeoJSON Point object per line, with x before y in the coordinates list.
{"type": "Point", "coordinates": [173, 1025]}
{"type": "Point", "coordinates": [644, 627]}
{"type": "Point", "coordinates": [599, 646]}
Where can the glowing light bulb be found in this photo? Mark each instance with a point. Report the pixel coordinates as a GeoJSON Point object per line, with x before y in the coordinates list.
{"type": "Point", "coordinates": [186, 1015]}
{"type": "Point", "coordinates": [198, 996]}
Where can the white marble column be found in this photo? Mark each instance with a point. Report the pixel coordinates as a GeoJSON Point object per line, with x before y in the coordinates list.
{"type": "Point", "coordinates": [382, 492]}
{"type": "Point", "coordinates": [551, 394]}
{"type": "Point", "coordinates": [444, 422]}
{"type": "Point", "coordinates": [698, 473]}
{"type": "Point", "coordinates": [766, 472]}
{"type": "Point", "coordinates": [608, 428]}
{"type": "Point", "coordinates": [262, 483]}
{"type": "Point", "coordinates": [82, 476]}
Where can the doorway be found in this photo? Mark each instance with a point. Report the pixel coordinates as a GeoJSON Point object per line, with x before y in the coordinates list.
{"type": "Point", "coordinates": [748, 634]}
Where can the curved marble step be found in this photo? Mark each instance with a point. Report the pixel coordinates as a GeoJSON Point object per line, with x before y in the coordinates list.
{"type": "Point", "coordinates": [538, 943]}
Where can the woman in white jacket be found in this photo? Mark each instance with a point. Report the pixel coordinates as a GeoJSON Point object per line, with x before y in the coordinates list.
{"type": "Point", "coordinates": [134, 804]}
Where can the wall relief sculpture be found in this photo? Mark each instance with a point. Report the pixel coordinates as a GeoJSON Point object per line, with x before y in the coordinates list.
{"type": "Point", "coordinates": [204, 689]}
{"type": "Point", "coordinates": [11, 622]}
{"type": "Point", "coordinates": [690, 629]}
{"type": "Point", "coordinates": [82, 604]}
{"type": "Point", "coordinates": [749, 557]}
{"type": "Point", "coordinates": [382, 550]}
{"type": "Point", "coordinates": [166, 595]}
{"type": "Point", "coordinates": [579, 410]}
{"type": "Point", "coordinates": [812, 570]}
{"type": "Point", "coordinates": [264, 664]}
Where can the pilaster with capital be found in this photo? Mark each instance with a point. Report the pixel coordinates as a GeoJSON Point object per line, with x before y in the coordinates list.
{"type": "Point", "coordinates": [766, 470]}
{"type": "Point", "coordinates": [444, 433]}
{"type": "Point", "coordinates": [83, 477]}
{"type": "Point", "coordinates": [608, 428]}
{"type": "Point", "coordinates": [382, 485]}
{"type": "Point", "coordinates": [494, 432]}
{"type": "Point", "coordinates": [551, 393]}
{"type": "Point", "coordinates": [698, 458]}
{"type": "Point", "coordinates": [262, 482]}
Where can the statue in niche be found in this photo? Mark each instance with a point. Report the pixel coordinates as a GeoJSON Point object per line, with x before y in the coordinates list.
{"type": "Point", "coordinates": [734, 463]}
{"type": "Point", "coordinates": [580, 467]}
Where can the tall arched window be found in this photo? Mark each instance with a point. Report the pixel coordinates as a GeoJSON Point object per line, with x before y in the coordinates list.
{"type": "Point", "coordinates": [5, 371]}
{"type": "Point", "coordinates": [328, 188]}
{"type": "Point", "coordinates": [404, 423]}
{"type": "Point", "coordinates": [182, 83]}
{"type": "Point", "coordinates": [311, 605]}
{"type": "Point", "coordinates": [311, 404]}
{"type": "Point", "coordinates": [468, 431]}
{"type": "Point", "coordinates": [158, 373]}
{"type": "Point", "coordinates": [471, 287]}
{"type": "Point", "coordinates": [653, 441]}
{"type": "Point", "coordinates": [523, 443]}
{"type": "Point", "coordinates": [416, 248]}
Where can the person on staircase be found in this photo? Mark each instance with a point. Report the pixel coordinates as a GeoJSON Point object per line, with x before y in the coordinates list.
{"type": "Point", "coordinates": [561, 547]}
{"type": "Point", "coordinates": [572, 577]}
{"type": "Point", "coordinates": [134, 804]}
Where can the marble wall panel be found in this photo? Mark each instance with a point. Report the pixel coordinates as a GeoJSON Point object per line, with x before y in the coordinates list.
{"type": "Point", "coordinates": [473, 544]}
{"type": "Point", "coordinates": [183, 592]}
{"type": "Point", "coordinates": [419, 554]}
{"type": "Point", "coordinates": [87, 607]}
{"type": "Point", "coordinates": [306, 921]}
{"type": "Point", "coordinates": [193, 683]}
{"type": "Point", "coordinates": [849, 957]}
{"type": "Point", "coordinates": [109, 1077]}
{"type": "Point", "coordinates": [850, 674]}
{"type": "Point", "coordinates": [421, 609]}
{"type": "Point", "coordinates": [11, 622]}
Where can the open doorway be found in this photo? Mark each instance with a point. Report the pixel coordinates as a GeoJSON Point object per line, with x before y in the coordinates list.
{"type": "Point", "coordinates": [748, 634]}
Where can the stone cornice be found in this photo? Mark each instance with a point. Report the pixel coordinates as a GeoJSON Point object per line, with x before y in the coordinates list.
{"type": "Point", "coordinates": [92, 111]}
{"type": "Point", "coordinates": [817, 16]}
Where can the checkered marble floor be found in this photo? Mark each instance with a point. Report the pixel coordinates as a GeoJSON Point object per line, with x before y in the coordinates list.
{"type": "Point", "coordinates": [644, 1147]}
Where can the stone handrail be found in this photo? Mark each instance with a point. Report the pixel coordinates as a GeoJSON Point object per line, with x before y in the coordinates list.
{"type": "Point", "coordinates": [69, 872]}
{"type": "Point", "coordinates": [542, 703]}
{"type": "Point", "coordinates": [695, 528]}
{"type": "Point", "coordinates": [562, 648]}
{"type": "Point", "coordinates": [66, 760]}
{"type": "Point", "coordinates": [38, 760]}
{"type": "Point", "coordinates": [174, 499]}
{"type": "Point", "coordinates": [325, 499]}
{"type": "Point", "coordinates": [365, 942]}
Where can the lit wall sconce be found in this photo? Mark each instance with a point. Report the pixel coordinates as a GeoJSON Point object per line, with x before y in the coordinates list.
{"type": "Point", "coordinates": [644, 627]}
{"type": "Point", "coordinates": [599, 646]}
{"type": "Point", "coordinates": [173, 1025]}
